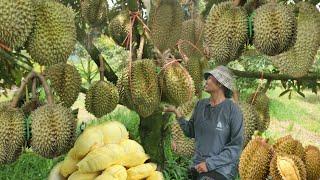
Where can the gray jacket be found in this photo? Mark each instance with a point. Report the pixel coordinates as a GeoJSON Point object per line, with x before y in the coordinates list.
{"type": "Point", "coordinates": [218, 132]}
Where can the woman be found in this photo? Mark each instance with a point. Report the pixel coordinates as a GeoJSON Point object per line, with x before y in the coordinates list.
{"type": "Point", "coordinates": [217, 126]}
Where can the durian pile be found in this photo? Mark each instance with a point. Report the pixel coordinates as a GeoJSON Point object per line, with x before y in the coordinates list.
{"type": "Point", "coordinates": [105, 152]}
{"type": "Point", "coordinates": [285, 159]}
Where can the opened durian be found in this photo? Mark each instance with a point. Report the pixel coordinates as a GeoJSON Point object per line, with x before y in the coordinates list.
{"type": "Point", "coordinates": [255, 159]}
{"type": "Point", "coordinates": [94, 11]}
{"type": "Point", "coordinates": [225, 32]}
{"type": "Point", "coordinates": [66, 81]}
{"type": "Point", "coordinates": [16, 19]}
{"type": "Point", "coordinates": [176, 84]}
{"type": "Point", "coordinates": [290, 146]}
{"type": "Point", "coordinates": [101, 98]}
{"type": "Point", "coordinates": [274, 28]}
{"type": "Point", "coordinates": [53, 130]}
{"type": "Point", "coordinates": [298, 60]}
{"type": "Point", "coordinates": [54, 34]}
{"type": "Point", "coordinates": [165, 22]}
{"type": "Point", "coordinates": [312, 162]}
{"type": "Point", "coordinates": [12, 133]}
{"type": "Point", "coordinates": [140, 91]}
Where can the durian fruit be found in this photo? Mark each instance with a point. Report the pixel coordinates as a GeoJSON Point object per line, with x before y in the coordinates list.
{"type": "Point", "coordinates": [193, 32]}
{"type": "Point", "coordinates": [165, 22]}
{"type": "Point", "coordinates": [251, 120]}
{"type": "Point", "coordinates": [274, 28]}
{"type": "Point", "coordinates": [16, 19]}
{"type": "Point", "coordinates": [101, 98]}
{"type": "Point", "coordinates": [298, 60]}
{"type": "Point", "coordinates": [119, 27]}
{"type": "Point", "coordinates": [225, 32]}
{"type": "Point", "coordinates": [255, 160]}
{"type": "Point", "coordinates": [142, 171]}
{"type": "Point", "coordinates": [53, 130]}
{"type": "Point", "coordinates": [12, 133]}
{"type": "Point", "coordinates": [312, 162]}
{"type": "Point", "coordinates": [261, 103]}
{"type": "Point", "coordinates": [187, 108]}
{"type": "Point", "coordinates": [54, 33]}
{"type": "Point", "coordinates": [66, 81]}
{"type": "Point", "coordinates": [55, 173]}
{"type": "Point", "coordinates": [196, 69]}
{"type": "Point", "coordinates": [290, 146]}
{"type": "Point", "coordinates": [140, 91]}
{"type": "Point", "coordinates": [83, 176]}
{"type": "Point", "coordinates": [289, 167]}
{"type": "Point", "coordinates": [156, 175]}
{"type": "Point", "coordinates": [176, 84]}
{"type": "Point", "coordinates": [94, 12]}
{"type": "Point", "coordinates": [184, 146]}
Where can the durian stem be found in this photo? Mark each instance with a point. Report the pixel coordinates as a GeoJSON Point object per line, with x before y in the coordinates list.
{"type": "Point", "coordinates": [3, 46]}
{"type": "Point", "coordinates": [20, 91]}
{"type": "Point", "coordinates": [46, 88]}
{"type": "Point", "coordinates": [101, 68]}
{"type": "Point", "coordinates": [140, 51]}
{"type": "Point", "coordinates": [34, 89]}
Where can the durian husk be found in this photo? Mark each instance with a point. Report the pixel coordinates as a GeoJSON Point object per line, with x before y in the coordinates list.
{"type": "Point", "coordinates": [291, 167]}
{"type": "Point", "coordinates": [54, 34]}
{"type": "Point", "coordinates": [140, 91]}
{"type": "Point", "coordinates": [119, 27]}
{"type": "Point", "coordinates": [255, 160]}
{"type": "Point", "coordinates": [12, 133]}
{"type": "Point", "coordinates": [53, 130]}
{"type": "Point", "coordinates": [94, 12]}
{"type": "Point", "coordinates": [312, 162]}
{"type": "Point", "coordinates": [290, 146]}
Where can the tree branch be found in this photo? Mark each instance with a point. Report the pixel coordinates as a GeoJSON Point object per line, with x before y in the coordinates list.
{"type": "Point", "coordinates": [46, 88]}
{"type": "Point", "coordinates": [271, 76]}
{"type": "Point", "coordinates": [18, 94]}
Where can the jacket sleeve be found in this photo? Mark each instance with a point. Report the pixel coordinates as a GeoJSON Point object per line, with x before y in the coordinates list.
{"type": "Point", "coordinates": [188, 126]}
{"type": "Point", "coordinates": [232, 151]}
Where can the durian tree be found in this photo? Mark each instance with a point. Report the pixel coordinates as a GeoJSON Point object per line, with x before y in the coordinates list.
{"type": "Point", "coordinates": [169, 48]}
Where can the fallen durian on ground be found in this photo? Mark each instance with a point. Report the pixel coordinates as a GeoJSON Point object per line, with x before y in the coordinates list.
{"type": "Point", "coordinates": [225, 32]}
{"type": "Point", "coordinates": [104, 152]}
{"type": "Point", "coordinates": [66, 81]}
{"type": "Point", "coordinates": [290, 146]}
{"type": "Point", "coordinates": [16, 19]}
{"type": "Point", "coordinates": [312, 162]}
{"type": "Point", "coordinates": [54, 34]}
{"type": "Point", "coordinates": [12, 133]}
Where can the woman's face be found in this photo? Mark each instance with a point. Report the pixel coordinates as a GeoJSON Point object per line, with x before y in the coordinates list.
{"type": "Point", "coordinates": [211, 85]}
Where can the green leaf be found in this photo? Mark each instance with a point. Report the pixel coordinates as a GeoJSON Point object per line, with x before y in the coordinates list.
{"type": "Point", "coordinates": [285, 92]}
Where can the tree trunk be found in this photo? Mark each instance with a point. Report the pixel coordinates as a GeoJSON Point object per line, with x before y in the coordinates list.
{"type": "Point", "coordinates": [153, 133]}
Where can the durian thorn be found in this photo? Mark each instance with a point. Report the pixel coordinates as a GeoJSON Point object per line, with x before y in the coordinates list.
{"type": "Point", "coordinates": [5, 47]}
{"type": "Point", "coordinates": [20, 91]}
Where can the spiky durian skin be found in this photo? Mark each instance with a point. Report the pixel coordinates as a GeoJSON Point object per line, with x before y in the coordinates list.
{"type": "Point", "coordinates": [12, 133]}
{"type": "Point", "coordinates": [274, 28]}
{"type": "Point", "coordinates": [298, 60]}
{"type": "Point", "coordinates": [140, 91]}
{"type": "Point", "coordinates": [225, 32]}
{"type": "Point", "coordinates": [102, 98]}
{"type": "Point", "coordinates": [255, 160]}
{"type": "Point", "coordinates": [53, 130]}
{"type": "Point", "coordinates": [251, 120]}
{"type": "Point", "coordinates": [184, 146]}
{"type": "Point", "coordinates": [176, 84]}
{"type": "Point", "coordinates": [54, 33]}
{"type": "Point", "coordinates": [192, 36]}
{"type": "Point", "coordinates": [261, 103]}
{"type": "Point", "coordinates": [16, 19]}
{"type": "Point", "coordinates": [165, 23]}
{"type": "Point", "coordinates": [312, 162]}
{"type": "Point", "coordinates": [66, 81]}
{"type": "Point", "coordinates": [195, 69]}
{"type": "Point", "coordinates": [94, 11]}
{"type": "Point", "coordinates": [277, 173]}
{"type": "Point", "coordinates": [290, 146]}
{"type": "Point", "coordinates": [187, 108]}
{"type": "Point", "coordinates": [119, 27]}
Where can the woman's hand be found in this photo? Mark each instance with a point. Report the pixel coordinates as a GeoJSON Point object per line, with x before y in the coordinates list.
{"type": "Point", "coordinates": [202, 167]}
{"type": "Point", "coordinates": [172, 109]}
